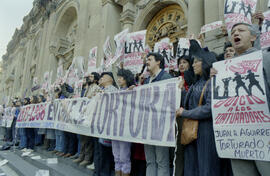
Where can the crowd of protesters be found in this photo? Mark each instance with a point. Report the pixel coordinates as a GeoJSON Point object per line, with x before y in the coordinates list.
{"type": "Point", "coordinates": [198, 158]}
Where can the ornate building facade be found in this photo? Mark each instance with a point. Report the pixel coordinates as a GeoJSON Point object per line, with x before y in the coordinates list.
{"type": "Point", "coordinates": [56, 31]}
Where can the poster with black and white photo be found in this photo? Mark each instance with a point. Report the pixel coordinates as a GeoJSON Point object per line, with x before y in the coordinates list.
{"type": "Point", "coordinates": [241, 117]}
{"type": "Point", "coordinates": [182, 47]}
{"type": "Point", "coordinates": [108, 53]}
{"type": "Point", "coordinates": [238, 11]}
{"type": "Point", "coordinates": [265, 33]}
{"type": "Point", "coordinates": [92, 60]}
{"type": "Point", "coordinates": [47, 80]}
{"type": "Point", "coordinates": [165, 48]}
{"type": "Point", "coordinates": [134, 50]}
{"type": "Point", "coordinates": [120, 40]}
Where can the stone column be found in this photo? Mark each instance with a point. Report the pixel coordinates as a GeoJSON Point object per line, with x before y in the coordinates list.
{"type": "Point", "coordinates": [16, 85]}
{"type": "Point", "coordinates": [27, 76]}
{"type": "Point", "coordinates": [110, 18]}
{"type": "Point", "coordinates": [128, 14]}
{"type": "Point", "coordinates": [195, 16]}
{"type": "Point", "coordinates": [211, 11]}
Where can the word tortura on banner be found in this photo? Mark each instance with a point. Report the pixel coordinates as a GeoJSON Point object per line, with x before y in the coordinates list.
{"type": "Point", "coordinates": [243, 113]}
{"type": "Point", "coordinates": [145, 115]}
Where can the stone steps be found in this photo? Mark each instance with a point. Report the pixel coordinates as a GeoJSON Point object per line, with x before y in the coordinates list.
{"type": "Point", "coordinates": [26, 166]}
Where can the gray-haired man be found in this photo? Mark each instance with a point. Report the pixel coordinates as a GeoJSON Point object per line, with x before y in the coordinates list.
{"type": "Point", "coordinates": [244, 38]}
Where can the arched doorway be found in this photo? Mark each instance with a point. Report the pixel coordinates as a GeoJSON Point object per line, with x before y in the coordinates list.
{"type": "Point", "coordinates": [65, 36]}
{"type": "Point", "coordinates": [169, 22]}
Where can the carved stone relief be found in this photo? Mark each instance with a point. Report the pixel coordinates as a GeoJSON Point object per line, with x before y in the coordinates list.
{"type": "Point", "coordinates": [169, 22]}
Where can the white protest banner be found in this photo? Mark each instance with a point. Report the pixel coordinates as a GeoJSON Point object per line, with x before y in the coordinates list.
{"type": "Point", "coordinates": [165, 48]}
{"type": "Point", "coordinates": [92, 60]}
{"type": "Point", "coordinates": [265, 33]}
{"type": "Point", "coordinates": [240, 111]}
{"type": "Point", "coordinates": [107, 49]}
{"type": "Point", "coordinates": [211, 26]}
{"type": "Point", "coordinates": [134, 50]}
{"type": "Point", "coordinates": [120, 40]}
{"type": "Point", "coordinates": [238, 11]}
{"type": "Point", "coordinates": [144, 115]}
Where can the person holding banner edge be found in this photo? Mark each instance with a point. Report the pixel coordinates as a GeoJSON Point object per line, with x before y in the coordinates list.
{"type": "Point", "coordinates": [243, 37]}
{"type": "Point", "coordinates": [120, 149]}
{"type": "Point", "coordinates": [103, 157]}
{"type": "Point", "coordinates": [157, 157]}
{"type": "Point", "coordinates": [87, 143]}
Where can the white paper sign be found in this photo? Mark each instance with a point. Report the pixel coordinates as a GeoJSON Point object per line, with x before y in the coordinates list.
{"type": "Point", "coordinates": [134, 50]}
{"type": "Point", "coordinates": [265, 33]}
{"type": "Point", "coordinates": [92, 60]}
{"type": "Point", "coordinates": [238, 11]}
{"type": "Point", "coordinates": [107, 49]}
{"type": "Point", "coordinates": [240, 112]}
{"type": "Point", "coordinates": [165, 48]}
{"type": "Point", "coordinates": [211, 26]}
{"type": "Point", "coordinates": [120, 40]}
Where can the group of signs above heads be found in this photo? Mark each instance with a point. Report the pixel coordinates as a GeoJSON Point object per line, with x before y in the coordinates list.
{"type": "Point", "coordinates": [130, 48]}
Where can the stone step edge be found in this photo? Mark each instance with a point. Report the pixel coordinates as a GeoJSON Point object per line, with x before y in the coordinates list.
{"type": "Point", "coordinates": [13, 167]}
{"type": "Point", "coordinates": [38, 164]}
{"type": "Point", "coordinates": [66, 161]}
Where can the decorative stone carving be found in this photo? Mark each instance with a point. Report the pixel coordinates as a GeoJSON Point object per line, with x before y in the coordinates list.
{"type": "Point", "coordinates": [168, 22]}
{"type": "Point", "coordinates": [71, 36]}
{"type": "Point", "coordinates": [127, 17]}
{"type": "Point", "coordinates": [143, 3]}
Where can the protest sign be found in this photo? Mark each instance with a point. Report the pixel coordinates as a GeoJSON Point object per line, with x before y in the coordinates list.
{"type": "Point", "coordinates": [265, 33]}
{"type": "Point", "coordinates": [211, 26]}
{"type": "Point", "coordinates": [92, 60]}
{"type": "Point", "coordinates": [7, 118]}
{"type": "Point", "coordinates": [120, 40]}
{"type": "Point", "coordinates": [240, 111]}
{"type": "Point", "coordinates": [144, 115]}
{"type": "Point", "coordinates": [78, 88]}
{"type": "Point", "coordinates": [134, 50]}
{"type": "Point", "coordinates": [75, 71]}
{"type": "Point", "coordinates": [35, 86]}
{"type": "Point", "coordinates": [46, 78]}
{"type": "Point", "coordinates": [165, 48]}
{"type": "Point", "coordinates": [107, 49]}
{"type": "Point", "coordinates": [238, 11]}
{"type": "Point", "coordinates": [182, 47]}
